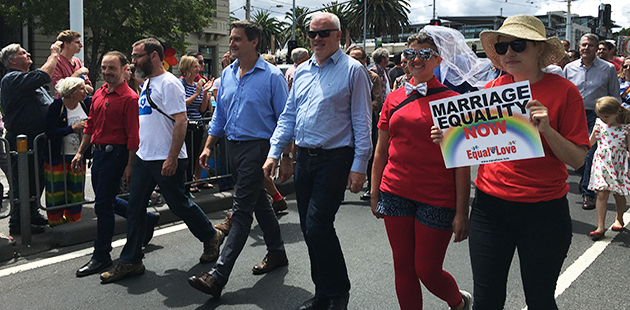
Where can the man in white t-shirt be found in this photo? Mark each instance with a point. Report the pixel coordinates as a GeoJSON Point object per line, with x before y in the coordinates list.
{"type": "Point", "coordinates": [161, 159]}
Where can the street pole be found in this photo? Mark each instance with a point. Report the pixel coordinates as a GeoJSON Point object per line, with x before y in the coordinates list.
{"type": "Point", "coordinates": [248, 9]}
{"type": "Point", "coordinates": [76, 21]}
{"type": "Point", "coordinates": [569, 30]}
{"type": "Point", "coordinates": [293, 26]}
{"type": "Point", "coordinates": [365, 24]}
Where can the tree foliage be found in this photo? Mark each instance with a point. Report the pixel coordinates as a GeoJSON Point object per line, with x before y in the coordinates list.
{"type": "Point", "coordinates": [115, 24]}
{"type": "Point", "coordinates": [271, 27]}
{"type": "Point", "coordinates": [301, 26]}
{"type": "Point", "coordinates": [384, 17]}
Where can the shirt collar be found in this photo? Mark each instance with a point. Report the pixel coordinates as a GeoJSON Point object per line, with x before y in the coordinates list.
{"type": "Point", "coordinates": [118, 90]}
{"type": "Point", "coordinates": [260, 64]}
{"type": "Point", "coordinates": [334, 58]}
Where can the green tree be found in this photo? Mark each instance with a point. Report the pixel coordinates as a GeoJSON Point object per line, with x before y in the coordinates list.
{"type": "Point", "coordinates": [384, 17]}
{"type": "Point", "coordinates": [341, 10]}
{"type": "Point", "coordinates": [271, 27]}
{"type": "Point", "coordinates": [301, 25]}
{"type": "Point", "coordinates": [115, 24]}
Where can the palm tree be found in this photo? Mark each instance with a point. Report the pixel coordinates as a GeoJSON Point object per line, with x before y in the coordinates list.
{"type": "Point", "coordinates": [271, 27]}
{"type": "Point", "coordinates": [384, 17]}
{"type": "Point", "coordinates": [301, 25]}
{"type": "Point", "coordinates": [344, 17]}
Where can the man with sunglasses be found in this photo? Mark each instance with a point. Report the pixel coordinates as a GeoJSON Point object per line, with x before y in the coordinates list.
{"type": "Point", "coordinates": [594, 78]}
{"type": "Point", "coordinates": [330, 115]}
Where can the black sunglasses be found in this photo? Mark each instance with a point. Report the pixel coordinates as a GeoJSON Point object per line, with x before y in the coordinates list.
{"type": "Point", "coordinates": [517, 46]}
{"type": "Point", "coordinates": [424, 54]}
{"type": "Point", "coordinates": [322, 33]}
{"type": "Point", "coordinates": [625, 66]}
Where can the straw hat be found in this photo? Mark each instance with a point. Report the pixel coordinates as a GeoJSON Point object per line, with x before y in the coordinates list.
{"type": "Point", "coordinates": [523, 27]}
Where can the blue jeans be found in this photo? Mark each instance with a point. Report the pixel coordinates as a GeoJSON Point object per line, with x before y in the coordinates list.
{"type": "Point", "coordinates": [107, 171]}
{"type": "Point", "coordinates": [145, 175]}
{"type": "Point", "coordinates": [321, 177]}
{"type": "Point", "coordinates": [250, 197]}
{"type": "Point", "coordinates": [541, 232]}
{"type": "Point", "coordinates": [588, 162]}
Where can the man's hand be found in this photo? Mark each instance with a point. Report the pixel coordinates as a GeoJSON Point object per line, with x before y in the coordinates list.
{"type": "Point", "coordinates": [286, 170]}
{"type": "Point", "coordinates": [269, 167]}
{"type": "Point", "coordinates": [169, 167]}
{"type": "Point", "coordinates": [355, 181]}
{"type": "Point", "coordinates": [127, 175]}
{"type": "Point", "coordinates": [55, 48]}
{"type": "Point", "coordinates": [203, 159]}
{"type": "Point", "coordinates": [76, 163]}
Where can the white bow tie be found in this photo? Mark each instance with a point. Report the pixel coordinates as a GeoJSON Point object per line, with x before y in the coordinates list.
{"type": "Point", "coordinates": [421, 88]}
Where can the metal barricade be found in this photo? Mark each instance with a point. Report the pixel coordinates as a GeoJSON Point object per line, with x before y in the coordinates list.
{"type": "Point", "coordinates": [8, 175]}
{"type": "Point", "coordinates": [214, 155]}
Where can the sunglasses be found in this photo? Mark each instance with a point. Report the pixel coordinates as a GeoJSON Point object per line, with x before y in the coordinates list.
{"type": "Point", "coordinates": [626, 66]}
{"type": "Point", "coordinates": [424, 54]}
{"type": "Point", "coordinates": [517, 46]}
{"type": "Point", "coordinates": [322, 33]}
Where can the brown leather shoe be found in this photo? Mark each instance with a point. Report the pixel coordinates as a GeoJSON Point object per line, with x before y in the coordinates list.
{"type": "Point", "coordinates": [588, 203]}
{"type": "Point", "coordinates": [225, 226]}
{"type": "Point", "coordinates": [271, 262]}
{"type": "Point", "coordinates": [211, 248]}
{"type": "Point", "coordinates": [279, 206]}
{"type": "Point", "coordinates": [206, 283]}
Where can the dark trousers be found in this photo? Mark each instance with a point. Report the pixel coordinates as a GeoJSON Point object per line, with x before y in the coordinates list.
{"type": "Point", "coordinates": [542, 234]}
{"type": "Point", "coordinates": [14, 221]}
{"type": "Point", "coordinates": [145, 175]}
{"type": "Point", "coordinates": [321, 177]}
{"type": "Point", "coordinates": [226, 183]}
{"type": "Point", "coordinates": [588, 162]}
{"type": "Point", "coordinates": [374, 141]}
{"type": "Point", "coordinates": [107, 171]}
{"type": "Point", "coordinates": [246, 160]}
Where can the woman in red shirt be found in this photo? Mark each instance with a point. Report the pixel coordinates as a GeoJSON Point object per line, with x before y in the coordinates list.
{"type": "Point", "coordinates": [421, 201]}
{"type": "Point", "coordinates": [522, 204]}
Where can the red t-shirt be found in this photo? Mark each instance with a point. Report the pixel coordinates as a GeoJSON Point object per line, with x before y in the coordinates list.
{"type": "Point", "coordinates": [415, 168]}
{"type": "Point", "coordinates": [114, 117]}
{"type": "Point", "coordinates": [544, 178]}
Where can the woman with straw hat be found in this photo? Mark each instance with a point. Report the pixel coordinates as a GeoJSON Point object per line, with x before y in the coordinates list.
{"type": "Point", "coordinates": [522, 204]}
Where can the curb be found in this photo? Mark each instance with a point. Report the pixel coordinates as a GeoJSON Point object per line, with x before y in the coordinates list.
{"type": "Point", "coordinates": [85, 230]}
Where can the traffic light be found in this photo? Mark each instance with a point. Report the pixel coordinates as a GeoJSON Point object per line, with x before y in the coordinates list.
{"type": "Point", "coordinates": [435, 22]}
{"type": "Point", "coordinates": [290, 46]}
{"type": "Point", "coordinates": [358, 1]}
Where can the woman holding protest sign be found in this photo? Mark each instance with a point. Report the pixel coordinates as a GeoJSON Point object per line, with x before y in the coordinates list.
{"type": "Point", "coordinates": [422, 202]}
{"type": "Point", "coordinates": [522, 204]}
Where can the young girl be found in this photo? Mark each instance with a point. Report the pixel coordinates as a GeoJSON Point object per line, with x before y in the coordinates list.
{"type": "Point", "coordinates": [609, 172]}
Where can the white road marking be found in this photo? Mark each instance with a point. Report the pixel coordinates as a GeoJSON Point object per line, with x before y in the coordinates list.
{"type": "Point", "coordinates": [585, 260]}
{"type": "Point", "coordinates": [84, 252]}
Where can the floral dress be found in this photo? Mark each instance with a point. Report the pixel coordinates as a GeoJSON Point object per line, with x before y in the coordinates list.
{"type": "Point", "coordinates": [610, 161]}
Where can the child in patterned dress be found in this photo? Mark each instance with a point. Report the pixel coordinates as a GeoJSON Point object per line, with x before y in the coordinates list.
{"type": "Point", "coordinates": [609, 172]}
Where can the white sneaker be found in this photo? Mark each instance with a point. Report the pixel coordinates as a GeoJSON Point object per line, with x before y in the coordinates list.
{"type": "Point", "coordinates": [468, 300]}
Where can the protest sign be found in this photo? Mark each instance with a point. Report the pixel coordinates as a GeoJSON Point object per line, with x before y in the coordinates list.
{"type": "Point", "coordinates": [487, 126]}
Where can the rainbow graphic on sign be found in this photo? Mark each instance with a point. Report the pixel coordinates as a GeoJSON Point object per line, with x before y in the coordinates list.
{"type": "Point", "coordinates": [497, 131]}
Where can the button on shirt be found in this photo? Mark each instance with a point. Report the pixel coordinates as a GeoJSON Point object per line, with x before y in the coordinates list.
{"type": "Point", "coordinates": [113, 117]}
{"type": "Point", "coordinates": [594, 82]}
{"type": "Point", "coordinates": [248, 107]}
{"type": "Point", "coordinates": [329, 106]}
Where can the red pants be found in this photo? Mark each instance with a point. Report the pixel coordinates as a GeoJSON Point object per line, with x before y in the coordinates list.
{"type": "Point", "coordinates": [419, 254]}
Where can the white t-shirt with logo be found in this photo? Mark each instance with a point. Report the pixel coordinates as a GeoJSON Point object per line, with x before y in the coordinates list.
{"type": "Point", "coordinates": [72, 141]}
{"type": "Point", "coordinates": [156, 131]}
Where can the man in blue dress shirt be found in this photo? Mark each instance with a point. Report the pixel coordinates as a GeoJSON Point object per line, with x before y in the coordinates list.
{"type": "Point", "coordinates": [329, 113]}
{"type": "Point", "coordinates": [251, 97]}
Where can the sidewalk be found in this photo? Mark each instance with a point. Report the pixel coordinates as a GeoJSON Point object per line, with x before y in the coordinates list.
{"type": "Point", "coordinates": [210, 200]}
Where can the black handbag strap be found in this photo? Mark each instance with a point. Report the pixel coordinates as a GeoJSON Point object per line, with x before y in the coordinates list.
{"type": "Point", "coordinates": [416, 95]}
{"type": "Point", "coordinates": [153, 105]}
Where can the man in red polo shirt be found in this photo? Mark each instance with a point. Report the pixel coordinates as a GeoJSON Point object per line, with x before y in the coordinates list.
{"type": "Point", "coordinates": [112, 128]}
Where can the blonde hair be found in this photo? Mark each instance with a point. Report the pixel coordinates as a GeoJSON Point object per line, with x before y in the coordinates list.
{"type": "Point", "coordinates": [609, 106]}
{"type": "Point", "coordinates": [186, 63]}
{"type": "Point", "coordinates": [66, 87]}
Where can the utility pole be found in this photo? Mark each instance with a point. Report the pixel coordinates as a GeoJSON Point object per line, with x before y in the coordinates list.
{"type": "Point", "coordinates": [365, 24]}
{"type": "Point", "coordinates": [569, 30]}
{"type": "Point", "coordinates": [76, 21]}
{"type": "Point", "coordinates": [248, 9]}
{"type": "Point", "coordinates": [293, 26]}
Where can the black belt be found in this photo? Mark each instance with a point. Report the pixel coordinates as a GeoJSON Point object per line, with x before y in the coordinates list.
{"type": "Point", "coordinates": [321, 151]}
{"type": "Point", "coordinates": [246, 141]}
{"type": "Point", "coordinates": [105, 147]}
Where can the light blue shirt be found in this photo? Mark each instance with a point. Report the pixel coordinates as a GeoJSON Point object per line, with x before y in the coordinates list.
{"type": "Point", "coordinates": [594, 82]}
{"type": "Point", "coordinates": [329, 106]}
{"type": "Point", "coordinates": [248, 107]}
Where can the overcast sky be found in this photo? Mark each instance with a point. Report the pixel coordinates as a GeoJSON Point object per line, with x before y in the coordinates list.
{"type": "Point", "coordinates": [422, 10]}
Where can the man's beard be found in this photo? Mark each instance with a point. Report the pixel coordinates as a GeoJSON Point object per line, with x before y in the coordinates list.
{"type": "Point", "coordinates": [144, 70]}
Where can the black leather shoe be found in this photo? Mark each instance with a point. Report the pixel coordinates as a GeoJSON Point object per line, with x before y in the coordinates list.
{"type": "Point", "coordinates": [588, 203]}
{"type": "Point", "coordinates": [316, 303]}
{"type": "Point", "coordinates": [39, 220]}
{"type": "Point", "coordinates": [92, 267]}
{"type": "Point", "coordinates": [340, 302]}
{"type": "Point", "coordinates": [366, 196]}
{"type": "Point", "coordinates": [271, 261]}
{"type": "Point", "coordinates": [152, 220]}
{"type": "Point", "coordinates": [35, 230]}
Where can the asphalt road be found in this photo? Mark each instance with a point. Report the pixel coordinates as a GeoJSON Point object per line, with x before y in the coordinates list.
{"type": "Point", "coordinates": [593, 276]}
